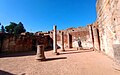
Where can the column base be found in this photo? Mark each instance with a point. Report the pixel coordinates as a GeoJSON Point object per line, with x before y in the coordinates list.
{"type": "Point", "coordinates": [56, 53]}
{"type": "Point", "coordinates": [40, 58]}
{"type": "Point", "coordinates": [63, 50]}
{"type": "Point", "coordinates": [79, 48]}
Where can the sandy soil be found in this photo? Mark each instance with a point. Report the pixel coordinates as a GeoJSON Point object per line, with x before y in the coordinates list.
{"type": "Point", "coordinates": [70, 62]}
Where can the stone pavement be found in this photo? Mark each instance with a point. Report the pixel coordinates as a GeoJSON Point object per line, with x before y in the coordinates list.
{"type": "Point", "coordinates": [70, 62]}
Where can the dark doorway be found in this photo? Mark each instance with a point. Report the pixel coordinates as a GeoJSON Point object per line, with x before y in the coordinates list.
{"type": "Point", "coordinates": [70, 41]}
{"type": "Point", "coordinates": [34, 47]}
{"type": "Point", "coordinates": [98, 39]}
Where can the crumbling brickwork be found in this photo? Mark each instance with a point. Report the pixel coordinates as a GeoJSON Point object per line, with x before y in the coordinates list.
{"type": "Point", "coordinates": [12, 43]}
{"type": "Point", "coordinates": [80, 33]}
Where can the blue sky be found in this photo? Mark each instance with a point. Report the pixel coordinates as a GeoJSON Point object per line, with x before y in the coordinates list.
{"type": "Point", "coordinates": [41, 15]}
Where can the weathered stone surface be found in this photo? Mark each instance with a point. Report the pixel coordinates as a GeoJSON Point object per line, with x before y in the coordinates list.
{"type": "Point", "coordinates": [108, 24]}
{"type": "Point", "coordinates": [12, 43]}
{"type": "Point", "coordinates": [96, 38]}
{"type": "Point", "coordinates": [80, 32]}
{"type": "Point", "coordinates": [55, 39]}
{"type": "Point", "coordinates": [77, 44]}
{"type": "Point", "coordinates": [108, 14]}
{"type": "Point", "coordinates": [116, 48]}
{"type": "Point", "coordinates": [40, 53]}
{"type": "Point", "coordinates": [62, 41]}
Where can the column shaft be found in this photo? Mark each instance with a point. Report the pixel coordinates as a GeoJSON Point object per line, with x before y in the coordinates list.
{"type": "Point", "coordinates": [62, 41]}
{"type": "Point", "coordinates": [55, 39]}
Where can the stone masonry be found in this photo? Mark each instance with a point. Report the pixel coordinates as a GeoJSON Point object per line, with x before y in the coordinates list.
{"type": "Point", "coordinates": [108, 22]}
{"type": "Point", "coordinates": [80, 33]}
{"type": "Point", "coordinates": [11, 43]}
{"type": "Point", "coordinates": [103, 35]}
{"type": "Point", "coordinates": [55, 39]}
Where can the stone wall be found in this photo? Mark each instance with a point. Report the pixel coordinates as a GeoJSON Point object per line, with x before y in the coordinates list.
{"type": "Point", "coordinates": [12, 43]}
{"type": "Point", "coordinates": [80, 33]}
{"type": "Point", "coordinates": [1, 40]}
{"type": "Point", "coordinates": [108, 21]}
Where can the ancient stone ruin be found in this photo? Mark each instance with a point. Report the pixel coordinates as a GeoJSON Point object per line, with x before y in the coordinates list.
{"type": "Point", "coordinates": [10, 43]}
{"type": "Point", "coordinates": [74, 37]}
{"type": "Point", "coordinates": [103, 35]}
{"type": "Point", "coordinates": [108, 28]}
{"type": "Point", "coordinates": [40, 53]}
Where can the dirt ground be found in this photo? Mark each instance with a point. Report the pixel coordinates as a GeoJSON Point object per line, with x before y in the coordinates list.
{"type": "Point", "coordinates": [70, 62]}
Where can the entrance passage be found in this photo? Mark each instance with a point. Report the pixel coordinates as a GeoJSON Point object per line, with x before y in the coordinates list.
{"type": "Point", "coordinates": [69, 40]}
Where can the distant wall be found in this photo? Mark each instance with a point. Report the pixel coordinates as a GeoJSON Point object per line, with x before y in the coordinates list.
{"type": "Point", "coordinates": [80, 33]}
{"type": "Point", "coordinates": [12, 43]}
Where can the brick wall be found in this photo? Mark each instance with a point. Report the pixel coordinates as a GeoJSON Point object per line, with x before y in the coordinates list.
{"type": "Point", "coordinates": [81, 33]}
{"type": "Point", "coordinates": [18, 43]}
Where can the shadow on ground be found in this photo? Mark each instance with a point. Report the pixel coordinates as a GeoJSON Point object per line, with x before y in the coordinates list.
{"type": "Point", "coordinates": [17, 54]}
{"type": "Point", "coordinates": [29, 53]}
{"type": "Point", "coordinates": [52, 59]}
{"type": "Point", "coordinates": [75, 51]}
{"type": "Point", "coordinates": [5, 73]}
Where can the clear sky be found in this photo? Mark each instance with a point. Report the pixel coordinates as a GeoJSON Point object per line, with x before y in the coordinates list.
{"type": "Point", "coordinates": [41, 15]}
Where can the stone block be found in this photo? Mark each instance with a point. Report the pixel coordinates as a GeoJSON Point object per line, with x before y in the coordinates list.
{"type": "Point", "coordinates": [116, 48]}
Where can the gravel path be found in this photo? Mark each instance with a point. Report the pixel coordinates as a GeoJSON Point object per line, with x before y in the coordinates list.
{"type": "Point", "coordinates": [70, 62]}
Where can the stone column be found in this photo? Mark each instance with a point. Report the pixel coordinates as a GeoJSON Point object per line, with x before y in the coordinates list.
{"type": "Point", "coordinates": [62, 41]}
{"type": "Point", "coordinates": [96, 41]}
{"type": "Point", "coordinates": [40, 53]}
{"type": "Point", "coordinates": [55, 40]}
